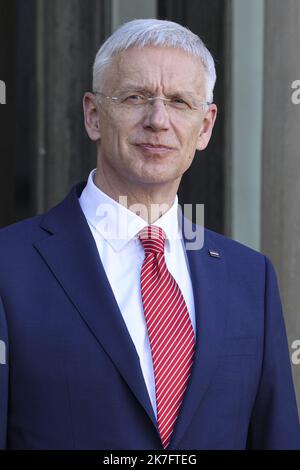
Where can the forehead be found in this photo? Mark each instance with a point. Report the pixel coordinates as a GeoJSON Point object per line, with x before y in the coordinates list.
{"type": "Point", "coordinates": [157, 68]}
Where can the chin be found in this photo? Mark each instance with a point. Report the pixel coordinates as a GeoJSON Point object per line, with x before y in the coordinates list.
{"type": "Point", "coordinates": [157, 179]}
{"type": "Point", "coordinates": [152, 174]}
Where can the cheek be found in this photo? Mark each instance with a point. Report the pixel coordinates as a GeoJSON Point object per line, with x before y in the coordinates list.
{"type": "Point", "coordinates": [120, 129]}
{"type": "Point", "coordinates": [188, 135]}
{"type": "Point", "coordinates": [110, 134]}
{"type": "Point", "coordinates": [189, 143]}
{"type": "Point", "coordinates": [109, 127]}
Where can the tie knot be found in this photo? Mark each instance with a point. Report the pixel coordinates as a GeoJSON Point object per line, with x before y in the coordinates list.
{"type": "Point", "coordinates": [152, 239]}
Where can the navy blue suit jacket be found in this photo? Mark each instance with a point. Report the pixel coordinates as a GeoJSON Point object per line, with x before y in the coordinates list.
{"type": "Point", "coordinates": [72, 378]}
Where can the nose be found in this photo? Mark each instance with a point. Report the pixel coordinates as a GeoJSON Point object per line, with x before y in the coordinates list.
{"type": "Point", "coordinates": [156, 115]}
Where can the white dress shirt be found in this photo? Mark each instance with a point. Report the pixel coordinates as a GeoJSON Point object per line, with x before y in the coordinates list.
{"type": "Point", "coordinates": [115, 228]}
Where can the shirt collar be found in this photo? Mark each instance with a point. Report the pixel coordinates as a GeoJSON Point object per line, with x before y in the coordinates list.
{"type": "Point", "coordinates": [117, 224]}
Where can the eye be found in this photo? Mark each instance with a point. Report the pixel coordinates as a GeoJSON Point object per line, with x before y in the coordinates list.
{"type": "Point", "coordinates": [178, 100]}
{"type": "Point", "coordinates": [179, 103]}
{"type": "Point", "coordinates": [134, 99]}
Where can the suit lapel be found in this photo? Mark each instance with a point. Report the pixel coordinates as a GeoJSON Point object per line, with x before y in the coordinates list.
{"type": "Point", "coordinates": [71, 254]}
{"type": "Point", "coordinates": [208, 275]}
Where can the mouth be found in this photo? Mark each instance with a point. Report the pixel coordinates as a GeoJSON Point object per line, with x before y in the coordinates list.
{"type": "Point", "coordinates": [154, 148]}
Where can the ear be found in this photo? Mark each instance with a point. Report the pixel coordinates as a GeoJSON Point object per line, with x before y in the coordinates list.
{"type": "Point", "coordinates": [207, 127]}
{"type": "Point", "coordinates": [91, 116]}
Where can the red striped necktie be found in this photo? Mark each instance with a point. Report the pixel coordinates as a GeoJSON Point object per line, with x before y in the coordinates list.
{"type": "Point", "coordinates": [170, 331]}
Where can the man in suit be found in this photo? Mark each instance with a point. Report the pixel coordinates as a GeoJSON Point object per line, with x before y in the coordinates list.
{"type": "Point", "coordinates": [117, 331]}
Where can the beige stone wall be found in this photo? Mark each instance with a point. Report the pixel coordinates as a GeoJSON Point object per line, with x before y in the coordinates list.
{"type": "Point", "coordinates": [281, 158]}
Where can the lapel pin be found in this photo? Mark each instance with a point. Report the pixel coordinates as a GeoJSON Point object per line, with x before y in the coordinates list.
{"type": "Point", "coordinates": [214, 254]}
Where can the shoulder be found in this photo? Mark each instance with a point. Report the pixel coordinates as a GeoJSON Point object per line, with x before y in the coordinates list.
{"type": "Point", "coordinates": [32, 229]}
{"type": "Point", "coordinates": [238, 257]}
{"type": "Point", "coordinates": [230, 246]}
{"type": "Point", "coordinates": [22, 231]}
{"type": "Point", "coordinates": [248, 271]}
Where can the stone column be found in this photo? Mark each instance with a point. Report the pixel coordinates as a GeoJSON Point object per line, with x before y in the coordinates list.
{"type": "Point", "coordinates": [69, 33]}
{"type": "Point", "coordinates": [281, 158]}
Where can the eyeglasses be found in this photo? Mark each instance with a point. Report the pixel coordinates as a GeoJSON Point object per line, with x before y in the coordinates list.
{"type": "Point", "coordinates": [131, 100]}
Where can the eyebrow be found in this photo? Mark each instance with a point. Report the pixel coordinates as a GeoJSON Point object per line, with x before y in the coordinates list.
{"type": "Point", "coordinates": [132, 87]}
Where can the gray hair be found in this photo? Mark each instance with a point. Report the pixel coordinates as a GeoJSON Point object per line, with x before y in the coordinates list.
{"type": "Point", "coordinates": [152, 32]}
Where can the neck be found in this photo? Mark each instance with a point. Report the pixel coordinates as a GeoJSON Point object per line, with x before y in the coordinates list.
{"type": "Point", "coordinates": [149, 201]}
